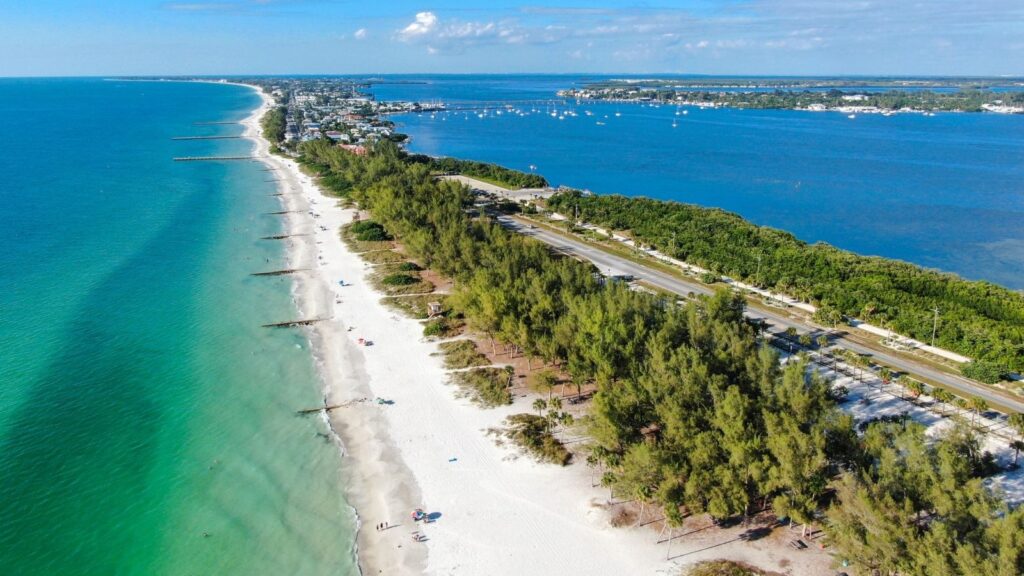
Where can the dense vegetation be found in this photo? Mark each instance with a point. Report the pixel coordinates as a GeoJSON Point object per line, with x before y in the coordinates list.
{"type": "Point", "coordinates": [489, 172]}
{"type": "Point", "coordinates": [274, 125]}
{"type": "Point", "coordinates": [691, 413]}
{"type": "Point", "coordinates": [962, 100]}
{"type": "Point", "coordinates": [978, 319]}
{"type": "Point", "coordinates": [916, 507]}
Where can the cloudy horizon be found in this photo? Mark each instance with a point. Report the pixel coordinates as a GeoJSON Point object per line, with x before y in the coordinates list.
{"type": "Point", "coordinates": [764, 37]}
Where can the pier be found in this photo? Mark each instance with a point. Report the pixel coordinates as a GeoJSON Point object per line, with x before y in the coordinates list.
{"type": "Point", "coordinates": [293, 323]}
{"type": "Point", "coordinates": [280, 272]}
{"type": "Point", "coordinates": [328, 407]}
{"type": "Point", "coordinates": [211, 158]}
{"type": "Point", "coordinates": [282, 236]}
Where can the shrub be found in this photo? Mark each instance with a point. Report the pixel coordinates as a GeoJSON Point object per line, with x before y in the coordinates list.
{"type": "Point", "coordinates": [983, 371]}
{"type": "Point", "coordinates": [369, 231]}
{"type": "Point", "coordinates": [723, 568]}
{"type": "Point", "coordinates": [409, 267]}
{"type": "Point", "coordinates": [399, 280]}
{"type": "Point", "coordinates": [434, 327]}
{"type": "Point", "coordinates": [462, 354]}
{"type": "Point", "coordinates": [533, 434]}
{"type": "Point", "coordinates": [485, 386]}
{"type": "Point", "coordinates": [709, 278]}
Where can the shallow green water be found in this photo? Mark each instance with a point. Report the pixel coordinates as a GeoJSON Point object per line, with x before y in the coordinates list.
{"type": "Point", "coordinates": [141, 405]}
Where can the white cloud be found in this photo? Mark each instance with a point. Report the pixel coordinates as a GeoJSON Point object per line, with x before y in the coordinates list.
{"type": "Point", "coordinates": [456, 35]}
{"type": "Point", "coordinates": [424, 24]}
{"type": "Point", "coordinates": [360, 34]}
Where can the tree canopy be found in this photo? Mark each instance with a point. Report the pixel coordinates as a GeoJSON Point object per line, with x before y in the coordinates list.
{"type": "Point", "coordinates": [978, 319]}
{"type": "Point", "coordinates": [692, 412]}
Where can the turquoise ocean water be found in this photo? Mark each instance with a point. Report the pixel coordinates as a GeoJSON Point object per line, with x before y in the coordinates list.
{"type": "Point", "coordinates": [943, 191]}
{"type": "Point", "coordinates": [141, 405]}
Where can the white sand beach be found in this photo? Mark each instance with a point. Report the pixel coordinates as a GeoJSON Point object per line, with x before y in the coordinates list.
{"type": "Point", "coordinates": [496, 512]}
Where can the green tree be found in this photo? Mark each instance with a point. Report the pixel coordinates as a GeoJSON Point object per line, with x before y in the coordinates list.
{"type": "Point", "coordinates": [1016, 421]}
{"type": "Point", "coordinates": [1017, 445]}
{"type": "Point", "coordinates": [977, 406]}
{"type": "Point", "coordinates": [544, 382]}
{"type": "Point", "coordinates": [943, 397]}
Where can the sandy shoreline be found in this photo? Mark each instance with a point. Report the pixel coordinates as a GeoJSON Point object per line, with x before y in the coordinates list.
{"type": "Point", "coordinates": [377, 484]}
{"type": "Point", "coordinates": [498, 513]}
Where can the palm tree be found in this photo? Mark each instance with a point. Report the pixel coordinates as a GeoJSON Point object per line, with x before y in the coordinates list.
{"type": "Point", "coordinates": [791, 334]}
{"type": "Point", "coordinates": [978, 406]}
{"type": "Point", "coordinates": [1016, 421]}
{"type": "Point", "coordinates": [539, 405]}
{"type": "Point", "coordinates": [822, 344]}
{"type": "Point", "coordinates": [960, 403]}
{"type": "Point", "coordinates": [884, 374]}
{"type": "Point", "coordinates": [943, 397]}
{"type": "Point", "coordinates": [1017, 446]}
{"type": "Point", "coordinates": [555, 403]}
{"type": "Point", "coordinates": [805, 340]}
{"type": "Point", "coordinates": [916, 388]}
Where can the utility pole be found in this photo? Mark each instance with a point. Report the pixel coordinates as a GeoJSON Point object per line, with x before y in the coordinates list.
{"type": "Point", "coordinates": [935, 324]}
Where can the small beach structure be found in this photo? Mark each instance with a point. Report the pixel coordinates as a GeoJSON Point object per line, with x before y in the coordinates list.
{"type": "Point", "coordinates": [433, 309]}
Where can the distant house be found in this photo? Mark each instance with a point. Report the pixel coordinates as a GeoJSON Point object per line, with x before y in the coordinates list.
{"type": "Point", "coordinates": [334, 135]}
{"type": "Point", "coordinates": [357, 150]}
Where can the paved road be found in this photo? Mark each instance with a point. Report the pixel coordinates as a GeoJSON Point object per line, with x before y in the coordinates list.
{"type": "Point", "coordinates": [777, 321]}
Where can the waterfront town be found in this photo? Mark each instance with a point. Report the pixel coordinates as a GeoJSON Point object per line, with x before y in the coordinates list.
{"type": "Point", "coordinates": [337, 109]}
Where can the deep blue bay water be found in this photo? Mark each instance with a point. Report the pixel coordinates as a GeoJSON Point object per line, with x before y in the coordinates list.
{"type": "Point", "coordinates": [943, 191]}
{"type": "Point", "coordinates": [147, 422]}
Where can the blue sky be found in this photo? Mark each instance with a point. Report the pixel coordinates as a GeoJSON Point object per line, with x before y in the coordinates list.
{"type": "Point", "coordinates": [91, 37]}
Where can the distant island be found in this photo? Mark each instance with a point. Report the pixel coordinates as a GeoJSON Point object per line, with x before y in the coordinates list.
{"type": "Point", "coordinates": [865, 96]}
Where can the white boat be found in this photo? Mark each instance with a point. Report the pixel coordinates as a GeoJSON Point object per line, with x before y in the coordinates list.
{"type": "Point", "coordinates": [599, 123]}
{"type": "Point", "coordinates": [617, 114]}
{"type": "Point", "coordinates": [852, 116]}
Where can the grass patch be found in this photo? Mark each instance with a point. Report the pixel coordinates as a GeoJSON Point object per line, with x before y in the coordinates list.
{"type": "Point", "coordinates": [462, 354]}
{"type": "Point", "coordinates": [392, 282]}
{"type": "Point", "coordinates": [399, 279]}
{"type": "Point", "coordinates": [351, 239]}
{"type": "Point", "coordinates": [414, 306]}
{"type": "Point", "coordinates": [443, 327]}
{"type": "Point", "coordinates": [487, 387]}
{"type": "Point", "coordinates": [724, 568]}
{"type": "Point", "coordinates": [533, 434]}
{"type": "Point", "coordinates": [382, 257]}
